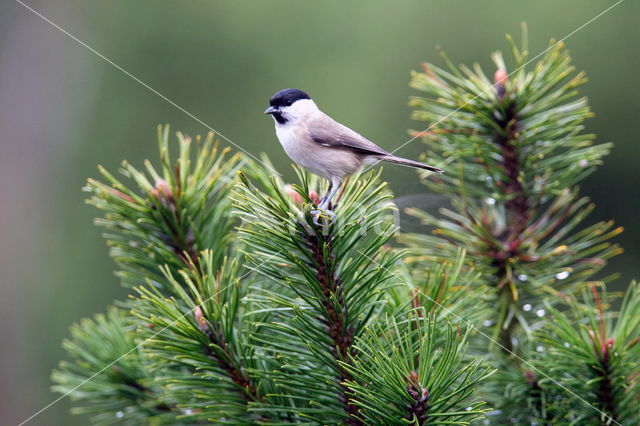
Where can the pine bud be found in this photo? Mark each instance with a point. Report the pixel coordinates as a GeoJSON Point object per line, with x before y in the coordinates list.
{"type": "Point", "coordinates": [414, 378]}
{"type": "Point", "coordinates": [499, 80]}
{"type": "Point", "coordinates": [163, 188]}
{"type": "Point", "coordinates": [420, 395]}
{"type": "Point", "coordinates": [605, 346]}
{"type": "Point", "coordinates": [293, 194]}
{"type": "Point", "coordinates": [313, 195]}
{"type": "Point", "coordinates": [202, 323]}
{"type": "Point", "coordinates": [530, 377]}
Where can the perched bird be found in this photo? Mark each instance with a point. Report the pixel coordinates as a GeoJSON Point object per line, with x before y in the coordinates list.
{"type": "Point", "coordinates": [323, 146]}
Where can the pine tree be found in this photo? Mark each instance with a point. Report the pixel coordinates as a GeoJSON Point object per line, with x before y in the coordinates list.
{"type": "Point", "coordinates": [515, 149]}
{"type": "Point", "coordinates": [244, 311]}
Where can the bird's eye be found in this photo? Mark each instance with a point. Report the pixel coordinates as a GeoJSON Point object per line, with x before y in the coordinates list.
{"type": "Point", "coordinates": [288, 103]}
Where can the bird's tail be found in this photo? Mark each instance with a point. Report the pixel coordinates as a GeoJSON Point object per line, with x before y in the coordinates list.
{"type": "Point", "coordinates": [410, 163]}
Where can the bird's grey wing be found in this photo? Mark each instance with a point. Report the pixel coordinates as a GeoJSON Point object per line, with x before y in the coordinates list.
{"type": "Point", "coordinates": [328, 132]}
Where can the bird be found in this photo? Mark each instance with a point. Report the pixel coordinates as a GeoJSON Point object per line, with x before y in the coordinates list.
{"type": "Point", "coordinates": [323, 146]}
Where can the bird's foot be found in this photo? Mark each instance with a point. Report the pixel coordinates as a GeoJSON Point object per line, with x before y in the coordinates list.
{"type": "Point", "coordinates": [317, 214]}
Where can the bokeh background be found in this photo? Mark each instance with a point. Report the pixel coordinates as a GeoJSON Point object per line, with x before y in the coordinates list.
{"type": "Point", "coordinates": [63, 110]}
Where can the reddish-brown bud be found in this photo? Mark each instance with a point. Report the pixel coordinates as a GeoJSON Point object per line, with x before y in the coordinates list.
{"type": "Point", "coordinates": [313, 195]}
{"type": "Point", "coordinates": [414, 378]}
{"type": "Point", "coordinates": [163, 188]}
{"type": "Point", "coordinates": [293, 194]}
{"type": "Point", "coordinates": [500, 76]}
{"type": "Point", "coordinates": [530, 377]}
{"type": "Point", "coordinates": [605, 346]}
{"type": "Point", "coordinates": [202, 323]}
{"type": "Point", "coordinates": [500, 79]}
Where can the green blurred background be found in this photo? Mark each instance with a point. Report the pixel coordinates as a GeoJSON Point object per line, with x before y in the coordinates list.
{"type": "Point", "coordinates": [63, 110]}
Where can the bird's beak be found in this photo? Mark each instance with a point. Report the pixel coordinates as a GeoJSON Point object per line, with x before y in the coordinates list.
{"type": "Point", "coordinates": [271, 110]}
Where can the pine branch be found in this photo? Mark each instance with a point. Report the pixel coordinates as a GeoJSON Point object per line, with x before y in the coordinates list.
{"type": "Point", "coordinates": [185, 211]}
{"type": "Point", "coordinates": [415, 369]}
{"type": "Point", "coordinates": [208, 350]}
{"type": "Point", "coordinates": [518, 393]}
{"type": "Point", "coordinates": [168, 223]}
{"type": "Point", "coordinates": [334, 290]}
{"type": "Point", "coordinates": [515, 150]}
{"type": "Point", "coordinates": [110, 374]}
{"type": "Point", "coordinates": [595, 353]}
{"type": "Point", "coordinates": [448, 288]}
{"type": "Point", "coordinates": [333, 303]}
{"type": "Point", "coordinates": [200, 334]}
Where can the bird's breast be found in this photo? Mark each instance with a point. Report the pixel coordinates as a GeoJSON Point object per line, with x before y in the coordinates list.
{"type": "Point", "coordinates": [291, 139]}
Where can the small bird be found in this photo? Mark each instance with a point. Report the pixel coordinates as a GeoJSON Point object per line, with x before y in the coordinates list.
{"type": "Point", "coordinates": [323, 146]}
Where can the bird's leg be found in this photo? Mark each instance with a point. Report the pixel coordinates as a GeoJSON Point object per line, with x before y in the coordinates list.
{"type": "Point", "coordinates": [326, 194]}
{"type": "Point", "coordinates": [324, 203]}
{"type": "Point", "coordinates": [334, 187]}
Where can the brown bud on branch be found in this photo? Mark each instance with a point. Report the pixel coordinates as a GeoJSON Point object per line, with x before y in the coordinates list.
{"type": "Point", "coordinates": [500, 79]}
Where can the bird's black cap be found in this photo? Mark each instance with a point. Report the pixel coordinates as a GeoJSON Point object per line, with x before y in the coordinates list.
{"type": "Point", "coordinates": [287, 97]}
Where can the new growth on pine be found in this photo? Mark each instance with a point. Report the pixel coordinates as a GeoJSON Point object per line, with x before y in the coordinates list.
{"type": "Point", "coordinates": [244, 311]}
